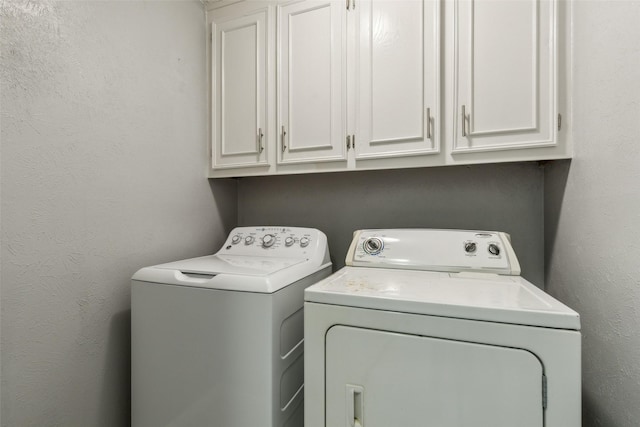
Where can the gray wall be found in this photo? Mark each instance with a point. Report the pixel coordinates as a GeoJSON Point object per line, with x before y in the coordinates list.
{"type": "Point", "coordinates": [102, 172]}
{"type": "Point", "coordinates": [592, 217]}
{"type": "Point", "coordinates": [103, 130]}
{"type": "Point", "coordinates": [506, 197]}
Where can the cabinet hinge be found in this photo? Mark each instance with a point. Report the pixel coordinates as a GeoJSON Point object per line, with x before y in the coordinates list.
{"type": "Point", "coordinates": [559, 121]}
{"type": "Point", "coordinates": [544, 392]}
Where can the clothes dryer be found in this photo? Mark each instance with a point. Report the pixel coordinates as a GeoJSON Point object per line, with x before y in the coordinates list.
{"type": "Point", "coordinates": [436, 327]}
{"type": "Point", "coordinates": [218, 340]}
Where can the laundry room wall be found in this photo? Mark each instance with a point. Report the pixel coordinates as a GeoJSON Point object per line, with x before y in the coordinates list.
{"type": "Point", "coordinates": [592, 217]}
{"type": "Point", "coordinates": [103, 132]}
{"type": "Point", "coordinates": [504, 197]}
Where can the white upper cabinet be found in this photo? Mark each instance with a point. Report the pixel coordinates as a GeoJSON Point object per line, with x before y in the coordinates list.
{"type": "Point", "coordinates": [311, 81]}
{"type": "Point", "coordinates": [302, 86]}
{"type": "Point", "coordinates": [505, 75]}
{"type": "Point", "coordinates": [239, 80]}
{"type": "Point", "coordinates": [397, 78]}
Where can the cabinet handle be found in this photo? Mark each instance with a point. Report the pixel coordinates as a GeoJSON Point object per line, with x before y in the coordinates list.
{"type": "Point", "coordinates": [429, 123]}
{"type": "Point", "coordinates": [464, 121]}
{"type": "Point", "coordinates": [284, 133]}
{"type": "Point", "coordinates": [348, 4]}
{"type": "Point", "coordinates": [260, 144]}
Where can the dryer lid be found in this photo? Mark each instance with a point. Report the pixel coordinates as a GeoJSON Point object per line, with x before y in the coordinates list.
{"type": "Point", "coordinates": [474, 296]}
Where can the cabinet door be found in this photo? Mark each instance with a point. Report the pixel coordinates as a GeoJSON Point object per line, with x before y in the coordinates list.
{"type": "Point", "coordinates": [397, 102]}
{"type": "Point", "coordinates": [239, 98]}
{"type": "Point", "coordinates": [311, 81]}
{"type": "Point", "coordinates": [385, 379]}
{"type": "Point", "coordinates": [506, 73]}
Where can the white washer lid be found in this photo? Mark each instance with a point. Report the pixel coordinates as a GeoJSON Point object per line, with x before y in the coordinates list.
{"type": "Point", "coordinates": [231, 264]}
{"type": "Point", "coordinates": [249, 263]}
{"type": "Point", "coordinates": [475, 296]}
{"type": "Point", "coordinates": [232, 273]}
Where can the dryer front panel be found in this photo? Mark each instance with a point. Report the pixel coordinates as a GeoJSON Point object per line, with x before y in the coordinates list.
{"type": "Point", "coordinates": [382, 379]}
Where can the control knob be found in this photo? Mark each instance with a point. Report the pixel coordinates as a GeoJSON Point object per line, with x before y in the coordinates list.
{"type": "Point", "coordinates": [373, 245]}
{"type": "Point", "coordinates": [236, 239]}
{"type": "Point", "coordinates": [494, 249]}
{"type": "Point", "coordinates": [268, 240]}
{"type": "Point", "coordinates": [304, 242]}
{"type": "Point", "coordinates": [470, 247]}
{"type": "Point", "coordinates": [249, 240]}
{"type": "Point", "coordinates": [289, 241]}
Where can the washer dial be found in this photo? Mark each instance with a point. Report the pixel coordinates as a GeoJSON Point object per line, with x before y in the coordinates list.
{"type": "Point", "coordinates": [289, 241]}
{"type": "Point", "coordinates": [248, 240]}
{"type": "Point", "coordinates": [304, 242]}
{"type": "Point", "coordinates": [268, 240]}
{"type": "Point", "coordinates": [236, 239]}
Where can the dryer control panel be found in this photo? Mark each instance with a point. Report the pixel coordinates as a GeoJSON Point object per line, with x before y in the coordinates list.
{"type": "Point", "coordinates": [293, 242]}
{"type": "Point", "coordinates": [434, 250]}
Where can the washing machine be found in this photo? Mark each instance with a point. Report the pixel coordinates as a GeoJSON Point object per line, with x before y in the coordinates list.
{"type": "Point", "coordinates": [436, 327]}
{"type": "Point", "coordinates": [218, 340]}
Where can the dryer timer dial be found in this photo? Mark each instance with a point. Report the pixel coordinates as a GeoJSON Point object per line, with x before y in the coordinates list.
{"type": "Point", "coordinates": [373, 245]}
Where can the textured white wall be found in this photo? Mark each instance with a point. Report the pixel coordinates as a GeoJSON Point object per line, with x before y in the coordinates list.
{"type": "Point", "coordinates": [592, 210]}
{"type": "Point", "coordinates": [504, 197]}
{"type": "Point", "coordinates": [103, 171]}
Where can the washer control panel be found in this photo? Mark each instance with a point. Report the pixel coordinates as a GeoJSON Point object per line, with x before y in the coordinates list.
{"type": "Point", "coordinates": [435, 250]}
{"type": "Point", "coordinates": [271, 241]}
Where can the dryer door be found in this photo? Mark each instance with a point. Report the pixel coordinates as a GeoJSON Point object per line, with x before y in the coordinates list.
{"type": "Point", "coordinates": [384, 379]}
